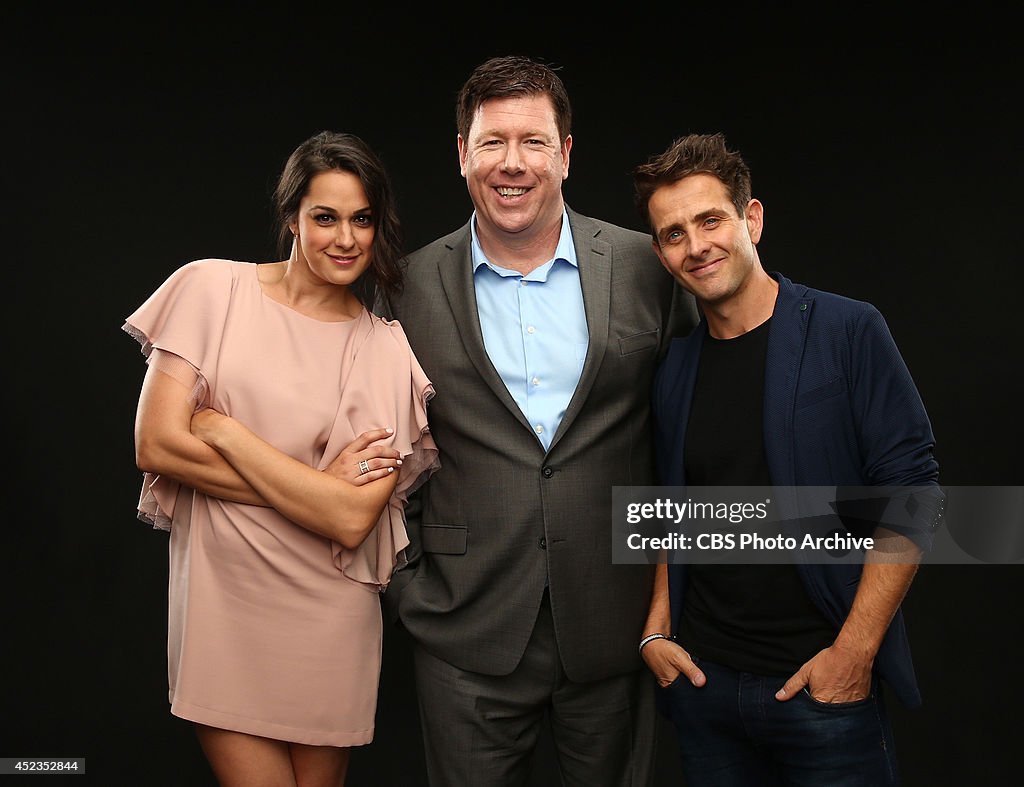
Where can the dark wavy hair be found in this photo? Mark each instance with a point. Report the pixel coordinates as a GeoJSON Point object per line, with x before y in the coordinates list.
{"type": "Point", "coordinates": [690, 155]}
{"type": "Point", "coordinates": [328, 151]}
{"type": "Point", "coordinates": [511, 77]}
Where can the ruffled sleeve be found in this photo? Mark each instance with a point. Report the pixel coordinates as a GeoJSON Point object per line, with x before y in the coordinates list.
{"type": "Point", "coordinates": [388, 387]}
{"type": "Point", "coordinates": [179, 328]}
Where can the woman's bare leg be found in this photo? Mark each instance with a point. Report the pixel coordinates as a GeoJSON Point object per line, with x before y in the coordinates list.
{"type": "Point", "coordinates": [241, 760]}
{"type": "Point", "coordinates": [319, 766]}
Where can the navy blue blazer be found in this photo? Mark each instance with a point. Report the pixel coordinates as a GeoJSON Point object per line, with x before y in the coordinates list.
{"type": "Point", "coordinates": [840, 408]}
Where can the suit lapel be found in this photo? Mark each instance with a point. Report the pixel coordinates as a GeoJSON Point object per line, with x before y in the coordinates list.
{"type": "Point", "coordinates": [456, 274]}
{"type": "Point", "coordinates": [787, 336]}
{"type": "Point", "coordinates": [678, 382]}
{"type": "Point", "coordinates": [594, 257]}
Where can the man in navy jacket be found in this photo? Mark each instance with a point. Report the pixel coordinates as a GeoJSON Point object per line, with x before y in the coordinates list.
{"type": "Point", "coordinates": [772, 674]}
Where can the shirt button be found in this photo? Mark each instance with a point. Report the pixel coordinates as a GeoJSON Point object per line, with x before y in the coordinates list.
{"type": "Point", "coordinates": [531, 329]}
{"type": "Point", "coordinates": [538, 429]}
{"type": "Point", "coordinates": [547, 472]}
{"type": "Point", "coordinates": [522, 282]}
{"type": "Point", "coordinates": [535, 381]}
{"type": "Point", "coordinates": [543, 543]}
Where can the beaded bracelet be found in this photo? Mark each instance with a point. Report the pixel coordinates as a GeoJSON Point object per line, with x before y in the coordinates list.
{"type": "Point", "coordinates": [650, 638]}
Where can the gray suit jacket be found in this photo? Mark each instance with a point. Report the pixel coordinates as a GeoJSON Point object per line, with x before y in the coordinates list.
{"type": "Point", "coordinates": [502, 516]}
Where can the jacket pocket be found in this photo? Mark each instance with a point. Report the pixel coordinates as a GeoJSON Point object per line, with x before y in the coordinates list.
{"type": "Point", "coordinates": [822, 392]}
{"type": "Point", "coordinates": [638, 342]}
{"type": "Point", "coordinates": [444, 539]}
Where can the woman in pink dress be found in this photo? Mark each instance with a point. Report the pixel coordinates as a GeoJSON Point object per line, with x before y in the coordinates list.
{"type": "Point", "coordinates": [281, 427]}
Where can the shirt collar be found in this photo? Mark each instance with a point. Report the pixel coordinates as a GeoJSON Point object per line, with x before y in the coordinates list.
{"type": "Point", "coordinates": [565, 250]}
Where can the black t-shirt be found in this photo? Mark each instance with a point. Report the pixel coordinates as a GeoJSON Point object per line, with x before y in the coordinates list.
{"type": "Point", "coordinates": [753, 618]}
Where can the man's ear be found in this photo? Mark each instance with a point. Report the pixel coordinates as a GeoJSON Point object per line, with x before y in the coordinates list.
{"type": "Point", "coordinates": [462, 154]}
{"type": "Point", "coordinates": [755, 219]}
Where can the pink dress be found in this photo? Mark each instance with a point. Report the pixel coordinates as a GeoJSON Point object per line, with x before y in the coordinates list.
{"type": "Point", "coordinates": [275, 630]}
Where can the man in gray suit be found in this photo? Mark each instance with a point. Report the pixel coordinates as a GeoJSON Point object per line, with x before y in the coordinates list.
{"type": "Point", "coordinates": [540, 330]}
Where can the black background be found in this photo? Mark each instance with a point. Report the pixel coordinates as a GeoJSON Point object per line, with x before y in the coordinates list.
{"type": "Point", "coordinates": [883, 145]}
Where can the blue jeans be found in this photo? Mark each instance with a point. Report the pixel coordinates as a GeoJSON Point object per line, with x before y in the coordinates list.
{"type": "Point", "coordinates": [734, 733]}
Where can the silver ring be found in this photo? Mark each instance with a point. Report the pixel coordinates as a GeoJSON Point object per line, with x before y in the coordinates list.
{"type": "Point", "coordinates": [364, 467]}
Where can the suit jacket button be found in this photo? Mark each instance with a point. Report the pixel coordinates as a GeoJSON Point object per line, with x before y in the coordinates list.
{"type": "Point", "coordinates": [547, 472]}
{"type": "Point", "coordinates": [543, 543]}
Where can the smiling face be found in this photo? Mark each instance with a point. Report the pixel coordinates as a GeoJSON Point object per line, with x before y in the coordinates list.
{"type": "Point", "coordinates": [514, 163]}
{"type": "Point", "coordinates": [702, 241]}
{"type": "Point", "coordinates": [335, 228]}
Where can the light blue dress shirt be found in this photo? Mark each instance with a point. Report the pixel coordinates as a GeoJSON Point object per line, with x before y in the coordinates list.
{"type": "Point", "coordinates": [535, 330]}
